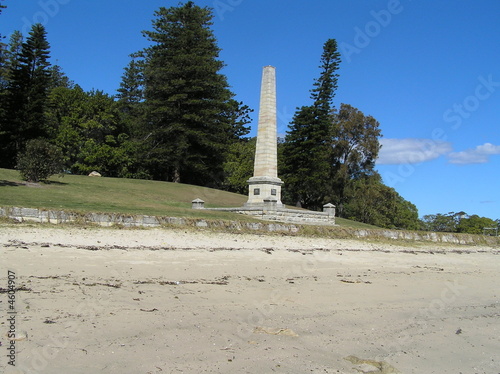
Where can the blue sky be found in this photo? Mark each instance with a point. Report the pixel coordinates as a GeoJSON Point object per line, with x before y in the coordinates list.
{"type": "Point", "coordinates": [428, 71]}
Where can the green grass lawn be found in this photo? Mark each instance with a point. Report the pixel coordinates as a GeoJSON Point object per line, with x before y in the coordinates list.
{"type": "Point", "coordinates": [114, 195]}
{"type": "Point", "coordinates": [125, 196]}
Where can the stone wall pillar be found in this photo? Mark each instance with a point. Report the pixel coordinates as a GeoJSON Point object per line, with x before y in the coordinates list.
{"type": "Point", "coordinates": [330, 209]}
{"type": "Point", "coordinates": [198, 204]}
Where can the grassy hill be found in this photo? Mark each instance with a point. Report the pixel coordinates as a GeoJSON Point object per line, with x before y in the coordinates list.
{"type": "Point", "coordinates": [119, 195]}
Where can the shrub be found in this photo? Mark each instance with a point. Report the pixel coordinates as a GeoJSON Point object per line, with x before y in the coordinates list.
{"type": "Point", "coordinates": [39, 161]}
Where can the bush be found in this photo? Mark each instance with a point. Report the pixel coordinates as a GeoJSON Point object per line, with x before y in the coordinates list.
{"type": "Point", "coordinates": [39, 161]}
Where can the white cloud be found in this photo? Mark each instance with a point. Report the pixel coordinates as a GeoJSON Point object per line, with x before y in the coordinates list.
{"type": "Point", "coordinates": [478, 155]}
{"type": "Point", "coordinates": [411, 151]}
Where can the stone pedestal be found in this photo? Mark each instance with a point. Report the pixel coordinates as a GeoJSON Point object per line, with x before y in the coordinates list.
{"type": "Point", "coordinates": [262, 188]}
{"type": "Point", "coordinates": [265, 183]}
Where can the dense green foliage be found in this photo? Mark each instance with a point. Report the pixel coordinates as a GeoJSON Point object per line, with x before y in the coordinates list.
{"type": "Point", "coordinates": [239, 165]}
{"type": "Point", "coordinates": [173, 118]}
{"type": "Point", "coordinates": [87, 127]}
{"type": "Point", "coordinates": [355, 149]}
{"type": "Point", "coordinates": [368, 200]}
{"type": "Point", "coordinates": [25, 95]}
{"type": "Point", "coordinates": [476, 225]}
{"type": "Point", "coordinates": [459, 222]}
{"type": "Point", "coordinates": [189, 107]}
{"type": "Point", "coordinates": [39, 161]}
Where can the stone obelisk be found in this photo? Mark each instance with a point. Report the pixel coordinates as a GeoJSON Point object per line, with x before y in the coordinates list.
{"type": "Point", "coordinates": [265, 184]}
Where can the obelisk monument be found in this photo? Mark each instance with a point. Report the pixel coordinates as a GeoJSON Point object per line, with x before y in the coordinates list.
{"type": "Point", "coordinates": [265, 184]}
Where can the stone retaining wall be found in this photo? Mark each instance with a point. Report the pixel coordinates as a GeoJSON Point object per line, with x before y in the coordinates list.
{"type": "Point", "coordinates": [103, 219]}
{"type": "Point", "coordinates": [109, 219]}
{"type": "Point", "coordinates": [284, 215]}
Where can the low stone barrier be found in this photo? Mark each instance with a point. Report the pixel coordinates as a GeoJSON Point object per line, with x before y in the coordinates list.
{"type": "Point", "coordinates": [339, 232]}
{"type": "Point", "coordinates": [111, 219]}
{"type": "Point", "coordinates": [270, 212]}
{"type": "Point", "coordinates": [103, 219]}
{"type": "Point", "coordinates": [284, 215]}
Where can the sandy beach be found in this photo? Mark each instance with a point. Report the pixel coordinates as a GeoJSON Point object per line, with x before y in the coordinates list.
{"type": "Point", "coordinates": [140, 301]}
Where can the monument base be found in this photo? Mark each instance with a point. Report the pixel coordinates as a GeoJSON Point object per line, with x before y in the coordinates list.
{"type": "Point", "coordinates": [263, 190]}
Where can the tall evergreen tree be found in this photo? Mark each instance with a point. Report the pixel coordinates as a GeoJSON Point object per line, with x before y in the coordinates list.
{"type": "Point", "coordinates": [131, 96]}
{"type": "Point", "coordinates": [10, 62]}
{"type": "Point", "coordinates": [326, 85]}
{"type": "Point", "coordinates": [187, 98]}
{"type": "Point", "coordinates": [307, 148]}
{"type": "Point", "coordinates": [9, 58]}
{"type": "Point", "coordinates": [28, 90]}
{"type": "Point", "coordinates": [131, 89]}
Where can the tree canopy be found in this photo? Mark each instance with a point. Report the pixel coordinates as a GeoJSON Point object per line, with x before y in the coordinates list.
{"type": "Point", "coordinates": [188, 102]}
{"type": "Point", "coordinates": [329, 155]}
{"type": "Point", "coordinates": [355, 149]}
{"type": "Point", "coordinates": [459, 222]}
{"type": "Point", "coordinates": [28, 81]}
{"type": "Point", "coordinates": [307, 147]}
{"type": "Point", "coordinates": [174, 117]}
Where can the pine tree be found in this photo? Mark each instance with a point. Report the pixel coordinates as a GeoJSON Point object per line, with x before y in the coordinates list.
{"type": "Point", "coordinates": [11, 55]}
{"type": "Point", "coordinates": [28, 90]}
{"type": "Point", "coordinates": [187, 98]}
{"type": "Point", "coordinates": [307, 148]}
{"type": "Point", "coordinates": [131, 89]}
{"type": "Point", "coordinates": [326, 85]}
{"type": "Point", "coordinates": [33, 77]}
{"type": "Point", "coordinates": [131, 96]}
{"type": "Point", "coordinates": [9, 58]}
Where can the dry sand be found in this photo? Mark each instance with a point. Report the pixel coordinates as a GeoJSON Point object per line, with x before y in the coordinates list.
{"type": "Point", "coordinates": [173, 301]}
